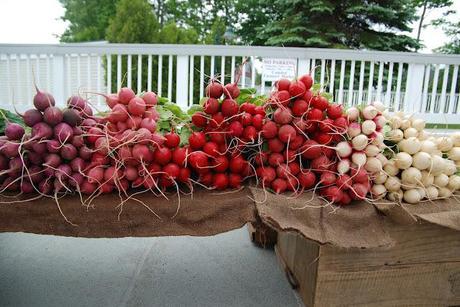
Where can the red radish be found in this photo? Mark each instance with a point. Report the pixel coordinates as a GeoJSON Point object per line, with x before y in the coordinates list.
{"type": "Point", "coordinates": [172, 140]}
{"type": "Point", "coordinates": [77, 164]}
{"type": "Point", "coordinates": [283, 171]}
{"type": "Point", "coordinates": [260, 110]}
{"type": "Point", "coordinates": [14, 131]}
{"type": "Point", "coordinates": [199, 119]}
{"type": "Point", "coordinates": [217, 137]}
{"type": "Point", "coordinates": [136, 106]}
{"type": "Point", "coordinates": [42, 131]}
{"type": "Point", "coordinates": [250, 133]}
{"type": "Point", "coordinates": [220, 164]}
{"type": "Point", "coordinates": [319, 102]}
{"type": "Point", "coordinates": [130, 173]}
{"type": "Point", "coordinates": [32, 117]}
{"type": "Point", "coordinates": [246, 119]}
{"type": "Point", "coordinates": [125, 95]}
{"type": "Point", "coordinates": [283, 84]}
{"type": "Point", "coordinates": [258, 121]}
{"type": "Point", "coordinates": [172, 170]}
{"type": "Point", "coordinates": [307, 179]}
{"type": "Point", "coordinates": [279, 185]}
{"type": "Point", "coordinates": [266, 174]}
{"type": "Point", "coordinates": [296, 142]}
{"type": "Point", "coordinates": [214, 90]}
{"type": "Point", "coordinates": [333, 194]}
{"type": "Point", "coordinates": [307, 80]}
{"type": "Point", "coordinates": [69, 152]}
{"type": "Point", "coordinates": [269, 130]}
{"type": "Point", "coordinates": [179, 155]}
{"type": "Point", "coordinates": [63, 132]}
{"type": "Point", "coordinates": [315, 115]}
{"type": "Point", "coordinates": [150, 99]}
{"type": "Point", "coordinates": [197, 140]}
{"type": "Point", "coordinates": [346, 199]}
{"type": "Point", "coordinates": [321, 163]}
{"type": "Point", "coordinates": [236, 129]}
{"type": "Point", "coordinates": [76, 102]}
{"type": "Point", "coordinates": [334, 111]}
{"type": "Point", "coordinates": [229, 107]}
{"type": "Point", "coordinates": [111, 100]}
{"type": "Point", "coordinates": [308, 96]}
{"type": "Point", "coordinates": [310, 150]}
{"type": "Point", "coordinates": [217, 120]}
{"type": "Point", "coordinates": [148, 124]}
{"type": "Point", "coordinates": [71, 117]}
{"type": "Point", "coordinates": [343, 182]}
{"type": "Point", "coordinates": [275, 159]}
{"type": "Point", "coordinates": [358, 191]}
{"type": "Point", "coordinates": [231, 90]}
{"type": "Point", "coordinates": [327, 178]}
{"type": "Point", "coordinates": [248, 107]}
{"type": "Point", "coordinates": [237, 164]}
{"type": "Point", "coordinates": [198, 160]}
{"type": "Point", "coordinates": [211, 149]}
{"type": "Point", "coordinates": [119, 113]}
{"type": "Point", "coordinates": [40, 148]}
{"type": "Point", "coordinates": [96, 175]}
{"type": "Point", "coordinates": [282, 116]}
{"type": "Point", "coordinates": [162, 155]}
{"type": "Point", "coordinates": [286, 133]}
{"type": "Point", "coordinates": [43, 100]}
{"type": "Point", "coordinates": [281, 98]}
{"type": "Point", "coordinates": [234, 181]}
{"type": "Point", "coordinates": [275, 145]}
{"type": "Point", "coordinates": [359, 175]}
{"type": "Point", "coordinates": [206, 179]}
{"type": "Point", "coordinates": [211, 106]}
{"type": "Point", "coordinates": [220, 181]}
{"type": "Point", "coordinates": [85, 153]}
{"type": "Point", "coordinates": [261, 158]}
{"type": "Point", "coordinates": [184, 175]}
{"type": "Point", "coordinates": [297, 89]}
{"type": "Point", "coordinates": [299, 107]}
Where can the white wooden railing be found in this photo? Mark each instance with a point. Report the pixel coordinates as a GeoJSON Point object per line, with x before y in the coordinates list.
{"type": "Point", "coordinates": [426, 85]}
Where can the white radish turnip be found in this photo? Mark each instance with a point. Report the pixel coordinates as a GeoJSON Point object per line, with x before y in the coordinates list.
{"type": "Point", "coordinates": [370, 112]}
{"type": "Point", "coordinates": [454, 183]}
{"type": "Point", "coordinates": [454, 154]}
{"type": "Point", "coordinates": [427, 179]}
{"type": "Point", "coordinates": [403, 160]}
{"type": "Point", "coordinates": [410, 132]}
{"type": "Point", "coordinates": [354, 129]}
{"type": "Point", "coordinates": [411, 145]}
{"type": "Point", "coordinates": [393, 184]}
{"type": "Point", "coordinates": [396, 196]}
{"type": "Point", "coordinates": [418, 124]}
{"type": "Point", "coordinates": [368, 127]}
{"type": "Point", "coordinates": [412, 196]}
{"type": "Point", "coordinates": [352, 114]}
{"type": "Point", "coordinates": [378, 191]}
{"type": "Point", "coordinates": [380, 178]}
{"type": "Point", "coordinates": [421, 160]}
{"type": "Point", "coordinates": [444, 143]}
{"type": "Point", "coordinates": [359, 142]}
{"type": "Point", "coordinates": [445, 192]}
{"type": "Point", "coordinates": [431, 192]}
{"type": "Point", "coordinates": [411, 176]}
{"type": "Point", "coordinates": [359, 158]}
{"type": "Point", "coordinates": [390, 168]}
{"type": "Point", "coordinates": [343, 149]}
{"type": "Point", "coordinates": [373, 165]}
{"type": "Point", "coordinates": [441, 180]}
{"type": "Point", "coordinates": [343, 166]}
{"type": "Point", "coordinates": [395, 135]}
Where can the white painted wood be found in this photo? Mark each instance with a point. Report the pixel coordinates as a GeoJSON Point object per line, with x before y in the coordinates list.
{"type": "Point", "coordinates": [149, 73]}
{"type": "Point", "coordinates": [129, 71]}
{"type": "Point", "coordinates": [342, 78]}
{"type": "Point", "coordinates": [243, 74]}
{"type": "Point", "coordinates": [413, 95]}
{"type": "Point", "coordinates": [211, 73]}
{"type": "Point", "coordinates": [109, 73]}
{"type": "Point", "coordinates": [232, 70]}
{"type": "Point", "coordinates": [253, 72]}
{"type": "Point", "coordinates": [379, 82]}
{"type": "Point", "coordinates": [18, 95]}
{"type": "Point", "coordinates": [48, 72]}
{"type": "Point", "coordinates": [160, 75]}
{"type": "Point", "coordinates": [119, 67]}
{"type": "Point", "coordinates": [139, 74]}
{"type": "Point", "coordinates": [323, 68]}
{"type": "Point", "coordinates": [37, 69]}
{"type": "Point", "coordinates": [426, 85]}
{"type": "Point", "coordinates": [8, 73]}
{"type": "Point", "coordinates": [59, 80]}
{"type": "Point", "coordinates": [332, 78]}
{"type": "Point", "coordinates": [313, 69]}
{"type": "Point", "coordinates": [201, 76]}
{"type": "Point", "coordinates": [442, 101]}
{"type": "Point", "coordinates": [351, 83]}
{"type": "Point", "coordinates": [28, 74]}
{"type": "Point", "coordinates": [453, 87]}
{"type": "Point", "coordinates": [302, 67]}
{"type": "Point", "coordinates": [362, 66]}
{"type": "Point", "coordinates": [433, 103]}
{"type": "Point", "coordinates": [98, 82]}
{"type": "Point", "coordinates": [68, 74]}
{"type": "Point", "coordinates": [389, 85]}
{"type": "Point", "coordinates": [371, 82]}
{"type": "Point", "coordinates": [88, 72]}
{"type": "Point", "coordinates": [78, 71]}
{"type": "Point", "coordinates": [398, 87]}
{"type": "Point", "coordinates": [222, 70]}
{"type": "Point", "coordinates": [182, 81]}
{"type": "Point", "coordinates": [170, 73]}
{"type": "Point", "coordinates": [191, 77]}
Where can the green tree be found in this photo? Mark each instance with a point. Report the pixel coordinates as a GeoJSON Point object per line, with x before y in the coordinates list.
{"type": "Point", "coordinates": [427, 6]}
{"type": "Point", "coordinates": [134, 22]}
{"type": "Point", "coordinates": [172, 34]}
{"type": "Point", "coordinates": [452, 31]}
{"type": "Point", "coordinates": [88, 20]}
{"type": "Point", "coordinates": [371, 24]}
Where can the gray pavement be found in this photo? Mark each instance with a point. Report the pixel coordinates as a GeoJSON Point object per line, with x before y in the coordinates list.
{"type": "Point", "coordinates": [223, 270]}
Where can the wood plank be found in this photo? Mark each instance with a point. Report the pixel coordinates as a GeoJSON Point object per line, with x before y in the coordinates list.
{"type": "Point", "coordinates": [419, 243]}
{"type": "Point", "coordinates": [434, 284]}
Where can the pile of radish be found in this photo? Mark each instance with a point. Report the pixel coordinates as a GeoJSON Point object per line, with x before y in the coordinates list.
{"type": "Point", "coordinates": [422, 166]}
{"type": "Point", "coordinates": [295, 140]}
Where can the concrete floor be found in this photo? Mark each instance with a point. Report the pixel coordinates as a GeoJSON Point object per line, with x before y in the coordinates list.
{"type": "Point", "coordinates": [224, 270]}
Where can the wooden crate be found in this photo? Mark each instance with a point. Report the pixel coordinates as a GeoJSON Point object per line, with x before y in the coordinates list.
{"type": "Point", "coordinates": [262, 235]}
{"type": "Point", "coordinates": [422, 269]}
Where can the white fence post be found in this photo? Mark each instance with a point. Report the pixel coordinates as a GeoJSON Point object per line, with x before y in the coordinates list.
{"type": "Point", "coordinates": [414, 87]}
{"type": "Point", "coordinates": [182, 81]}
{"type": "Point", "coordinates": [59, 77]}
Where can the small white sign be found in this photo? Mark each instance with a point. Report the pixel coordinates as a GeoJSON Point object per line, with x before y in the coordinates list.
{"type": "Point", "coordinates": [276, 68]}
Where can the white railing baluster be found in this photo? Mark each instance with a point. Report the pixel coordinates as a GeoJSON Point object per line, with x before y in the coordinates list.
{"type": "Point", "coordinates": [262, 82]}
{"type": "Point", "coordinates": [442, 102]}
{"type": "Point", "coordinates": [211, 72]}
{"type": "Point", "coordinates": [434, 91]}
{"type": "Point", "coordinates": [371, 83]}
{"type": "Point", "coordinates": [389, 85]}
{"type": "Point", "coordinates": [149, 73]}
{"type": "Point", "coordinates": [18, 95]}
{"type": "Point", "coordinates": [342, 77]}
{"type": "Point", "coordinates": [351, 83]}
{"type": "Point", "coordinates": [98, 81]}
{"type": "Point", "coordinates": [332, 78]}
{"type": "Point", "coordinates": [88, 71]}
{"type": "Point", "coordinates": [201, 76]}
{"type": "Point", "coordinates": [307, 67]}
{"type": "Point", "coordinates": [109, 73]}
{"type": "Point", "coordinates": [129, 71]}
{"type": "Point", "coordinates": [397, 101]}
{"type": "Point", "coordinates": [8, 73]}
{"type": "Point", "coordinates": [232, 70]}
{"type": "Point", "coordinates": [48, 72]}
{"type": "Point", "coordinates": [160, 74]}
{"type": "Point", "coordinates": [253, 72]}
{"type": "Point", "coordinates": [119, 68]}
{"type": "Point", "coordinates": [426, 84]}
{"type": "Point", "coordinates": [313, 69]}
{"type": "Point", "coordinates": [190, 79]}
{"type": "Point", "coordinates": [379, 81]}
{"type": "Point", "coordinates": [68, 74]}
{"type": "Point", "coordinates": [323, 68]}
{"type": "Point", "coordinates": [243, 75]}
{"type": "Point", "coordinates": [37, 69]}
{"type": "Point", "coordinates": [453, 87]}
{"type": "Point", "coordinates": [139, 73]}
{"type": "Point", "coordinates": [28, 73]}
{"type": "Point", "coordinates": [362, 66]}
{"type": "Point", "coordinates": [182, 67]}
{"type": "Point", "coordinates": [78, 71]}
{"type": "Point", "coordinates": [222, 70]}
{"type": "Point", "coordinates": [170, 72]}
